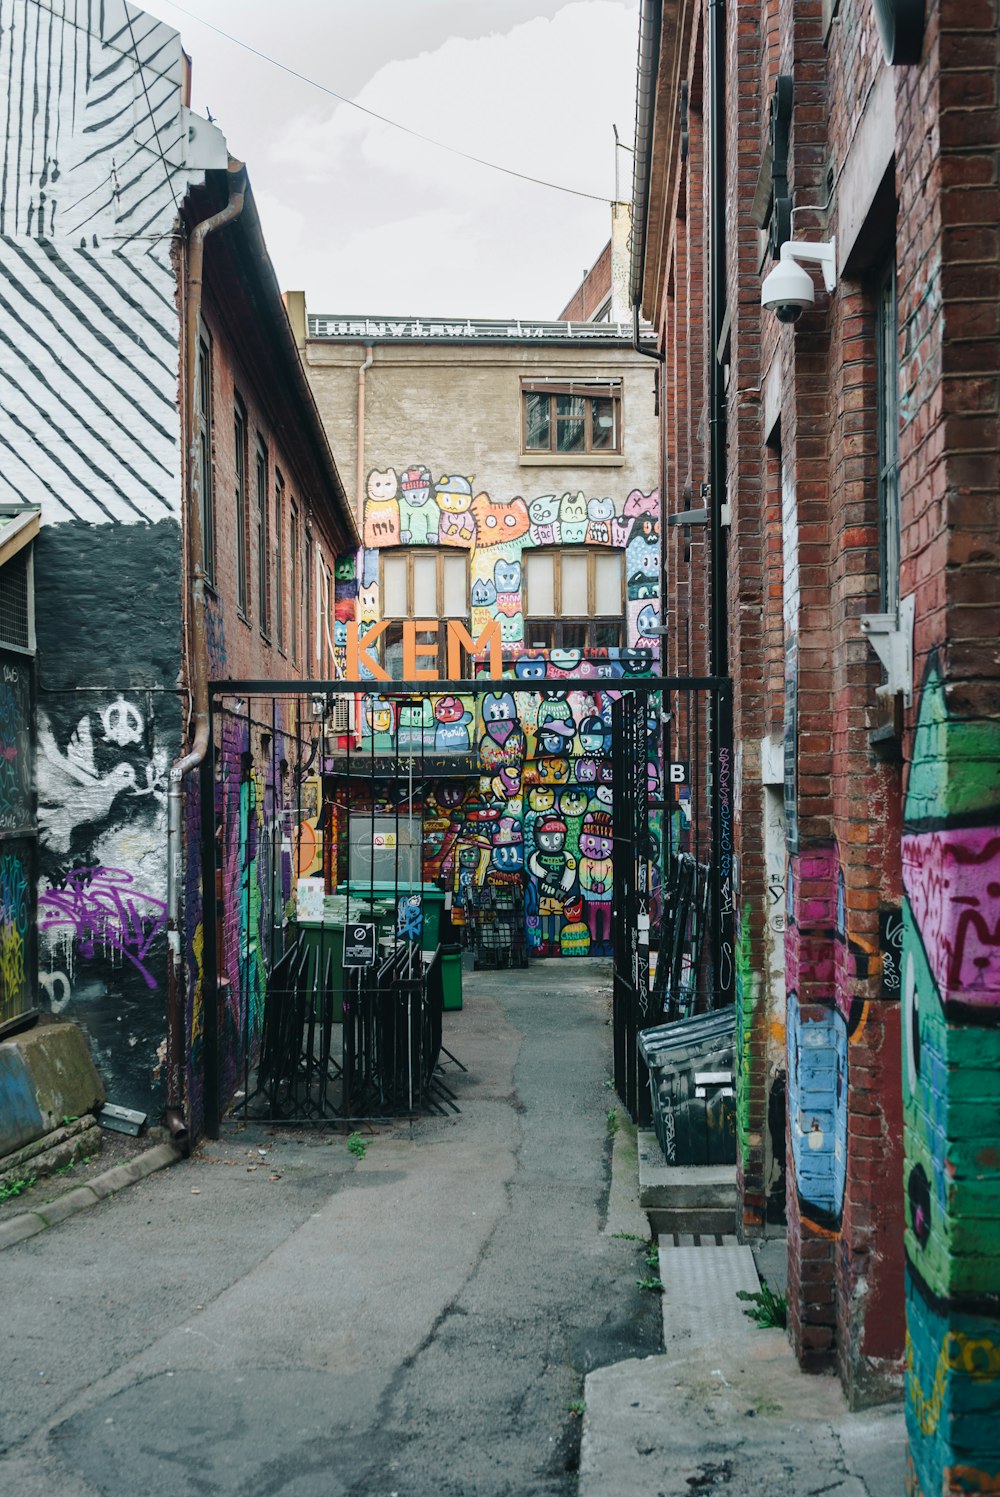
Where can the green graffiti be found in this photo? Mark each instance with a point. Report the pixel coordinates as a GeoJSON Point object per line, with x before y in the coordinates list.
{"type": "Point", "coordinates": [747, 993]}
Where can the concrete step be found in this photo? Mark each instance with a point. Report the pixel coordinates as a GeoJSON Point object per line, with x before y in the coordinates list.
{"type": "Point", "coordinates": [700, 1285]}
{"type": "Point", "coordinates": [684, 1198]}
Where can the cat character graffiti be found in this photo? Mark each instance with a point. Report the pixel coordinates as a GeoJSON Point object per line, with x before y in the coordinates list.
{"type": "Point", "coordinates": [418, 517]}
{"type": "Point", "coordinates": [452, 733]}
{"type": "Point", "coordinates": [381, 524]}
{"type": "Point", "coordinates": [456, 525]}
{"type": "Point", "coordinates": [497, 524]}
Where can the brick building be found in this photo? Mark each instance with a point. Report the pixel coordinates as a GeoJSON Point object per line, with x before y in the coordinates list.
{"type": "Point", "coordinates": [849, 582]}
{"type": "Point", "coordinates": [155, 412]}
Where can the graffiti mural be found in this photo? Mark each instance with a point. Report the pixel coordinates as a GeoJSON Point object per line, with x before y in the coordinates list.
{"type": "Point", "coordinates": [538, 803]}
{"type": "Point", "coordinates": [951, 1096]}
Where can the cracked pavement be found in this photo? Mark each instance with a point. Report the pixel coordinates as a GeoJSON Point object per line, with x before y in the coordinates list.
{"type": "Point", "coordinates": [416, 1323]}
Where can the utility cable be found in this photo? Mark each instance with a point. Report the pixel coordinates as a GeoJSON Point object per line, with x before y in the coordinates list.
{"type": "Point", "coordinates": [442, 145]}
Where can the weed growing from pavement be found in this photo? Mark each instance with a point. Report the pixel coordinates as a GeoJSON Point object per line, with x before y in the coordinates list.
{"type": "Point", "coordinates": [16, 1187]}
{"type": "Point", "coordinates": [612, 1121]}
{"type": "Point", "coordinates": [652, 1284]}
{"type": "Point", "coordinates": [767, 1309]}
{"type": "Point", "coordinates": [653, 1255]}
{"type": "Point", "coordinates": [630, 1236]}
{"type": "Point", "coordinates": [356, 1145]}
{"type": "Point", "coordinates": [577, 1408]}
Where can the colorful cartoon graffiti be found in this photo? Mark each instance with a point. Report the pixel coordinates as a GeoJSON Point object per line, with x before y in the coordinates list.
{"type": "Point", "coordinates": [951, 1096]}
{"type": "Point", "coordinates": [544, 809]}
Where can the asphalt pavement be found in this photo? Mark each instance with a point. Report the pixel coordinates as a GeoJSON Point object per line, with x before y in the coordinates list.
{"type": "Point", "coordinates": [277, 1317]}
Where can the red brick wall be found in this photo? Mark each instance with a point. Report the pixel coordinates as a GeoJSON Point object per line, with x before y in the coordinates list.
{"type": "Point", "coordinates": [594, 289]}
{"type": "Point", "coordinates": [247, 645]}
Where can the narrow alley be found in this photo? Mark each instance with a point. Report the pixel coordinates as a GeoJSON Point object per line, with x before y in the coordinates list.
{"type": "Point", "coordinates": [417, 1321]}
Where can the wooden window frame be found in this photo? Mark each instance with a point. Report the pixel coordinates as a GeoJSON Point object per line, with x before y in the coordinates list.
{"type": "Point", "coordinates": [240, 437]}
{"type": "Point", "coordinates": [410, 554]}
{"type": "Point", "coordinates": [263, 536]}
{"type": "Point", "coordinates": [591, 553]}
{"type": "Point", "coordinates": [279, 560]}
{"type": "Point", "coordinates": [308, 589]}
{"type": "Point", "coordinates": [586, 389]}
{"type": "Point", "coordinates": [293, 576]}
{"type": "Point", "coordinates": [205, 424]}
{"type": "Point", "coordinates": [394, 630]}
{"type": "Point", "coordinates": [553, 623]}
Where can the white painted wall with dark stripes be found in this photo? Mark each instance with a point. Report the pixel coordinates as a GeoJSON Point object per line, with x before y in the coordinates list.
{"type": "Point", "coordinates": [95, 161]}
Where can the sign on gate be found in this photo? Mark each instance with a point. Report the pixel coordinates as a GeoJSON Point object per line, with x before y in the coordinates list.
{"type": "Point", "coordinates": [359, 945]}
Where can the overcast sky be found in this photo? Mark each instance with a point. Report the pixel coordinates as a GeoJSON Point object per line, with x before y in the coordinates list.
{"type": "Point", "coordinates": [367, 219]}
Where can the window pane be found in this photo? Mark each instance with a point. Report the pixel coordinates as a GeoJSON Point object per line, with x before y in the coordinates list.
{"type": "Point", "coordinates": [425, 587]}
{"type": "Point", "coordinates": [570, 405]}
{"type": "Point", "coordinates": [540, 582]}
{"type": "Point", "coordinates": [604, 425]}
{"type": "Point", "coordinates": [573, 636]}
{"type": "Point", "coordinates": [455, 591]}
{"type": "Point", "coordinates": [538, 634]}
{"type": "Point", "coordinates": [393, 647]}
{"type": "Point", "coordinates": [574, 587]}
{"type": "Point", "coordinates": [394, 587]}
{"type": "Point", "coordinates": [607, 636]}
{"type": "Point", "coordinates": [536, 420]}
{"type": "Point", "coordinates": [570, 436]}
{"type": "Point", "coordinates": [608, 584]}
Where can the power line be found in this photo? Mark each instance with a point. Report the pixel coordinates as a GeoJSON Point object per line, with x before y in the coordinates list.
{"type": "Point", "coordinates": [149, 106]}
{"type": "Point", "coordinates": [382, 119]}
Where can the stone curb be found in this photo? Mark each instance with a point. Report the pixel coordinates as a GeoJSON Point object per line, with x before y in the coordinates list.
{"type": "Point", "coordinates": [18, 1228]}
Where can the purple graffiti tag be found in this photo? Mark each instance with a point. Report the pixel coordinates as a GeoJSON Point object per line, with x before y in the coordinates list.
{"type": "Point", "coordinates": [103, 908]}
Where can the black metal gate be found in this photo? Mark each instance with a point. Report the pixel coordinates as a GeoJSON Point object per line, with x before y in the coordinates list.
{"type": "Point", "coordinates": [674, 886]}
{"type": "Point", "coordinates": [281, 1025]}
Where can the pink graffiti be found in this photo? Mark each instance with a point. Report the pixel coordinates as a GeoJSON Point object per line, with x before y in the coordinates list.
{"type": "Point", "coordinates": [952, 879]}
{"type": "Point", "coordinates": [104, 909]}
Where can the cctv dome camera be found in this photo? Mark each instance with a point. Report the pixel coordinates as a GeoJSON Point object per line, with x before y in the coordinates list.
{"type": "Point", "coordinates": [788, 290]}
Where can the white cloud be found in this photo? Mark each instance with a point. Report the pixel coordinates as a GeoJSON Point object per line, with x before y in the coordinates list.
{"type": "Point", "coordinates": [389, 223]}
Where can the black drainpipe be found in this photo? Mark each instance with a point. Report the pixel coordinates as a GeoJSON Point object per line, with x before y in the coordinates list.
{"type": "Point", "coordinates": [719, 660]}
{"type": "Point", "coordinates": [723, 766]}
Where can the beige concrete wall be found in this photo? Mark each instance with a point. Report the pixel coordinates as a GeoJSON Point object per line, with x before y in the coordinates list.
{"type": "Point", "coordinates": [457, 409]}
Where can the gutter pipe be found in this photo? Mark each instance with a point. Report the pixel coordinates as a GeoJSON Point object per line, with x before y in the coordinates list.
{"type": "Point", "coordinates": [648, 68]}
{"type": "Point", "coordinates": [719, 663]}
{"type": "Point", "coordinates": [198, 634]}
{"type": "Point", "coordinates": [359, 487]}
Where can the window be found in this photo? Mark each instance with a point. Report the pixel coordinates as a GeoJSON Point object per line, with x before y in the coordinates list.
{"type": "Point", "coordinates": [293, 570]}
{"type": "Point", "coordinates": [422, 583]}
{"type": "Point", "coordinates": [886, 328]}
{"type": "Point", "coordinates": [308, 568]}
{"type": "Point", "coordinates": [279, 561]}
{"type": "Point", "coordinates": [572, 417]}
{"type": "Point", "coordinates": [263, 540]}
{"type": "Point", "coordinates": [207, 507]}
{"type": "Point", "coordinates": [242, 515]}
{"type": "Point", "coordinates": [573, 599]}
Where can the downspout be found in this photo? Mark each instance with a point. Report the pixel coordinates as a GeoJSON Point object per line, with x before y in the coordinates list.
{"type": "Point", "coordinates": [645, 100]}
{"type": "Point", "coordinates": [719, 657]}
{"type": "Point", "coordinates": [359, 480]}
{"type": "Point", "coordinates": [723, 904]}
{"type": "Point", "coordinates": [198, 634]}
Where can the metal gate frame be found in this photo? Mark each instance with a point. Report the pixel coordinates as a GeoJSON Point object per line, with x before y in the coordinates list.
{"type": "Point", "coordinates": [631, 919]}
